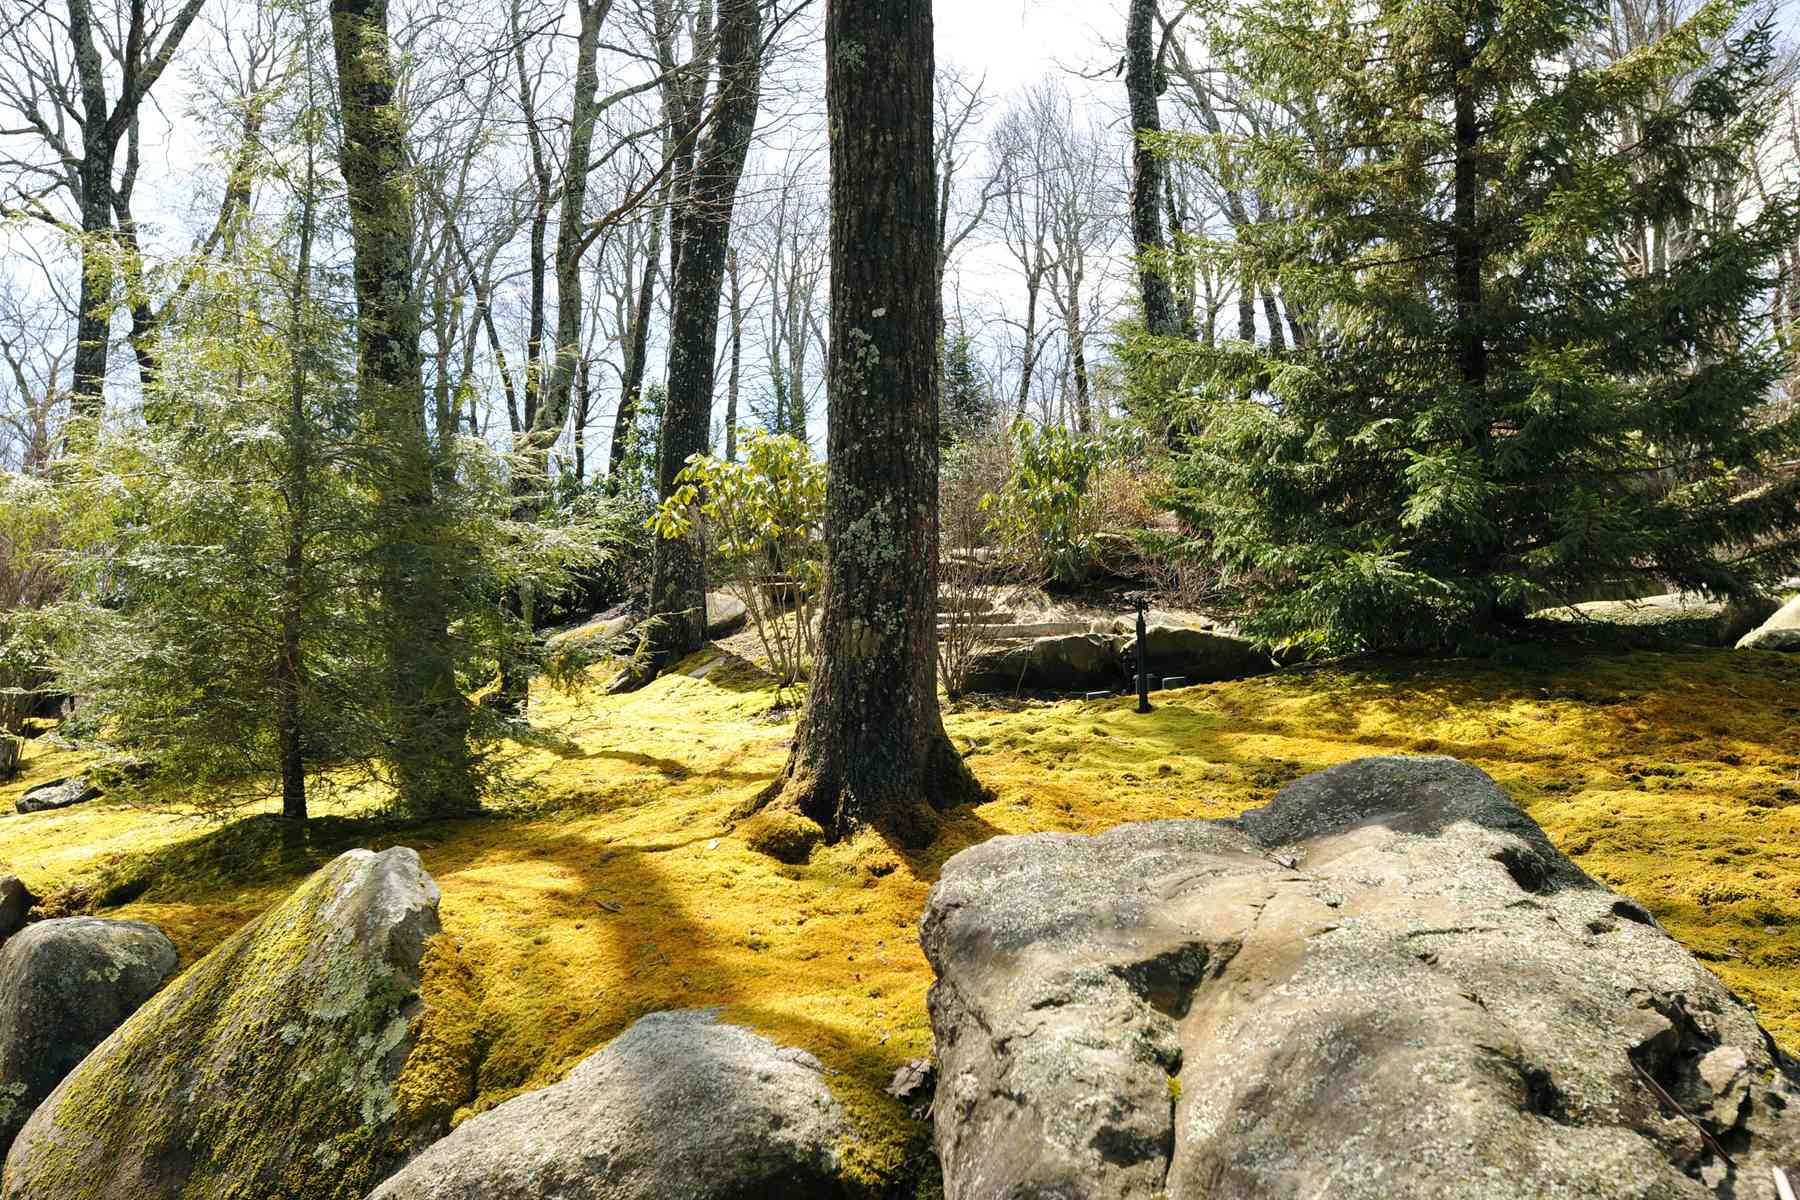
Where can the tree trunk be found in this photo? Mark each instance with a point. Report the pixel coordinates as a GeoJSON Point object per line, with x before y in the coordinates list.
{"type": "Point", "coordinates": [735, 381]}
{"type": "Point", "coordinates": [1147, 169]}
{"type": "Point", "coordinates": [701, 231]}
{"type": "Point", "coordinates": [1029, 365]}
{"type": "Point", "coordinates": [871, 748]}
{"type": "Point", "coordinates": [429, 755]}
{"type": "Point", "coordinates": [638, 347]}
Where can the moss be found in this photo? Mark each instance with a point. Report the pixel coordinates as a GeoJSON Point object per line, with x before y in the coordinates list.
{"type": "Point", "coordinates": [782, 834]}
{"type": "Point", "coordinates": [439, 1076]}
{"type": "Point", "coordinates": [626, 885]}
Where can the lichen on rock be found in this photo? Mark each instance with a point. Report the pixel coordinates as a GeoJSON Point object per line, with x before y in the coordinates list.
{"type": "Point", "coordinates": [275, 1069]}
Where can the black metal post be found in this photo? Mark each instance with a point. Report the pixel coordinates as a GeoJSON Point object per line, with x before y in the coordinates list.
{"type": "Point", "coordinates": [1143, 671]}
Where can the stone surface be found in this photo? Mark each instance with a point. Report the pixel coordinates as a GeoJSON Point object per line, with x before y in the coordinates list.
{"type": "Point", "coordinates": [64, 793]}
{"type": "Point", "coordinates": [15, 901]}
{"type": "Point", "coordinates": [282, 1064]}
{"type": "Point", "coordinates": [1078, 662]}
{"type": "Point", "coordinates": [1779, 632]}
{"type": "Point", "coordinates": [676, 1106]}
{"type": "Point", "coordinates": [1200, 655]}
{"type": "Point", "coordinates": [1386, 985]}
{"type": "Point", "coordinates": [64, 986]}
{"type": "Point", "coordinates": [1676, 618]}
{"type": "Point", "coordinates": [725, 614]}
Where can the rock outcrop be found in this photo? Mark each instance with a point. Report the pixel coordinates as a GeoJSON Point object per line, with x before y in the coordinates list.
{"type": "Point", "coordinates": [64, 793]}
{"type": "Point", "coordinates": [15, 901]}
{"type": "Point", "coordinates": [1386, 984]}
{"type": "Point", "coordinates": [1674, 619]}
{"type": "Point", "coordinates": [290, 1062]}
{"type": "Point", "coordinates": [676, 1106]}
{"type": "Point", "coordinates": [1197, 655]}
{"type": "Point", "coordinates": [725, 614]}
{"type": "Point", "coordinates": [1105, 658]}
{"type": "Point", "coordinates": [1779, 632]}
{"type": "Point", "coordinates": [64, 986]}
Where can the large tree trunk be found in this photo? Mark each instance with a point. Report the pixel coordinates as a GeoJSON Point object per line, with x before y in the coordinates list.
{"type": "Point", "coordinates": [701, 231]}
{"type": "Point", "coordinates": [429, 755]}
{"type": "Point", "coordinates": [871, 748]}
{"type": "Point", "coordinates": [1160, 317]}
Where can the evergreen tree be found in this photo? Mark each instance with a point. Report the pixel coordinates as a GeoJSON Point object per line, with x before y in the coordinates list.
{"type": "Point", "coordinates": [967, 406]}
{"type": "Point", "coordinates": [1503, 403]}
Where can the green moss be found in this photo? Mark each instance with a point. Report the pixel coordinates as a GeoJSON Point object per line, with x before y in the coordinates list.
{"type": "Point", "coordinates": [629, 886]}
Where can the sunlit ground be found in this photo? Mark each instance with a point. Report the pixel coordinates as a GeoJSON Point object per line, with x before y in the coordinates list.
{"type": "Point", "coordinates": [610, 884]}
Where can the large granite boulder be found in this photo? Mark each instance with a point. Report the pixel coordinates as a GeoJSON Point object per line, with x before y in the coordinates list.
{"type": "Point", "coordinates": [1386, 984]}
{"type": "Point", "coordinates": [281, 1066]}
{"type": "Point", "coordinates": [15, 901]}
{"type": "Point", "coordinates": [1673, 619]}
{"type": "Point", "coordinates": [1198, 655]}
{"type": "Point", "coordinates": [64, 793]}
{"type": "Point", "coordinates": [1779, 632]}
{"type": "Point", "coordinates": [64, 986]}
{"type": "Point", "coordinates": [1076, 662]}
{"type": "Point", "coordinates": [725, 614]}
{"type": "Point", "coordinates": [676, 1106]}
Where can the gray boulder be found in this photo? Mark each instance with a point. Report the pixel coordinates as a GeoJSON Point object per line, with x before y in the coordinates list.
{"type": "Point", "coordinates": [1779, 632]}
{"type": "Point", "coordinates": [676, 1106]}
{"type": "Point", "coordinates": [15, 901]}
{"type": "Point", "coordinates": [1201, 655]}
{"type": "Point", "coordinates": [64, 986]}
{"type": "Point", "coordinates": [64, 793]}
{"type": "Point", "coordinates": [1386, 984]}
{"type": "Point", "coordinates": [725, 614]}
{"type": "Point", "coordinates": [280, 1065]}
{"type": "Point", "coordinates": [1674, 619]}
{"type": "Point", "coordinates": [1078, 662]}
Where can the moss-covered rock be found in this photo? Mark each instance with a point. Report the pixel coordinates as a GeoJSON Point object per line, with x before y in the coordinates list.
{"type": "Point", "coordinates": [278, 1068]}
{"type": "Point", "coordinates": [64, 986]}
{"type": "Point", "coordinates": [15, 901]}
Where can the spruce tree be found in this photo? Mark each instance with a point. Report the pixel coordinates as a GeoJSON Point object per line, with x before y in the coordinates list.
{"type": "Point", "coordinates": [1504, 403]}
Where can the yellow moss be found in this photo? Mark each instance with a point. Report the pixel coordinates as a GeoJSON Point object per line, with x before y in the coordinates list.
{"type": "Point", "coordinates": [439, 1076]}
{"type": "Point", "coordinates": [622, 884]}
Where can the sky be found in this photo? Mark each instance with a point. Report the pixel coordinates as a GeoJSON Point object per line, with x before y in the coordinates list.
{"type": "Point", "coordinates": [1017, 42]}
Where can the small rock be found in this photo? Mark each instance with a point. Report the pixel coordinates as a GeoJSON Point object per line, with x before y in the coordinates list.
{"type": "Point", "coordinates": [914, 1082]}
{"type": "Point", "coordinates": [15, 901]}
{"type": "Point", "coordinates": [64, 793]}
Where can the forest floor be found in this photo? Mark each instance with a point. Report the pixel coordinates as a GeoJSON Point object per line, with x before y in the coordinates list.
{"type": "Point", "coordinates": [610, 884]}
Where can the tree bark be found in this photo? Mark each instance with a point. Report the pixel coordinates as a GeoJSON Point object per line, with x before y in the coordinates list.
{"type": "Point", "coordinates": [429, 717]}
{"type": "Point", "coordinates": [701, 231]}
{"type": "Point", "coordinates": [1160, 317]}
{"type": "Point", "coordinates": [871, 749]}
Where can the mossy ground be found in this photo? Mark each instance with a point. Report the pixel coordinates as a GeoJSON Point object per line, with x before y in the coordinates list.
{"type": "Point", "coordinates": [617, 882]}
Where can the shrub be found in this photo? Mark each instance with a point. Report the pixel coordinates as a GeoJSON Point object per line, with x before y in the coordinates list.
{"type": "Point", "coordinates": [764, 516]}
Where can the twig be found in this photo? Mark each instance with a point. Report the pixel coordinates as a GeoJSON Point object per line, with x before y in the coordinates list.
{"type": "Point", "coordinates": [1685, 1115]}
{"type": "Point", "coordinates": [1782, 1187]}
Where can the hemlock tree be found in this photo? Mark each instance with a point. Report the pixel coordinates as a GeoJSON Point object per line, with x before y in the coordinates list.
{"type": "Point", "coordinates": [1500, 408]}
{"type": "Point", "coordinates": [871, 749]}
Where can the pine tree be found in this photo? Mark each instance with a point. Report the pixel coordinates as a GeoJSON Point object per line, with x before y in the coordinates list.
{"type": "Point", "coordinates": [967, 405]}
{"type": "Point", "coordinates": [1503, 403]}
